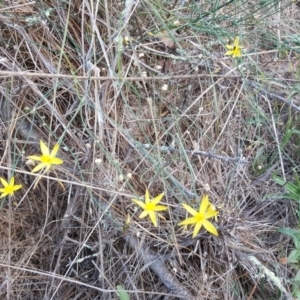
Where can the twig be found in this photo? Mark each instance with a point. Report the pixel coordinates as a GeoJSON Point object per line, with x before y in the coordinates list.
{"type": "Point", "coordinates": [113, 78]}
{"type": "Point", "coordinates": [263, 90]}
{"type": "Point", "coordinates": [276, 137]}
{"type": "Point", "coordinates": [157, 266]}
{"type": "Point", "coordinates": [270, 275]}
{"type": "Point", "coordinates": [263, 177]}
{"type": "Point", "coordinates": [196, 152]}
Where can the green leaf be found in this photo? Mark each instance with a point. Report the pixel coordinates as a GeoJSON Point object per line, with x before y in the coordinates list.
{"type": "Point", "coordinates": [289, 231]}
{"type": "Point", "coordinates": [297, 242]}
{"type": "Point", "coordinates": [279, 180]}
{"type": "Point", "coordinates": [289, 196]}
{"type": "Point", "coordinates": [293, 190]}
{"type": "Point", "coordinates": [296, 293]}
{"type": "Point", "coordinates": [295, 234]}
{"type": "Point", "coordinates": [123, 295]}
{"type": "Point", "coordinates": [294, 256]}
{"type": "Point", "coordinates": [288, 134]}
{"type": "Point", "coordinates": [297, 277]}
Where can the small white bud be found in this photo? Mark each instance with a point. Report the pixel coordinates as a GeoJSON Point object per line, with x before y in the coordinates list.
{"type": "Point", "coordinates": [30, 163]}
{"type": "Point", "coordinates": [164, 87]}
{"type": "Point", "coordinates": [206, 187]}
{"type": "Point", "coordinates": [98, 161]}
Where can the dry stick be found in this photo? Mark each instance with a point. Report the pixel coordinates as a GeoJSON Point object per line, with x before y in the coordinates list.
{"type": "Point", "coordinates": [263, 90]}
{"type": "Point", "coordinates": [116, 78]}
{"type": "Point", "coordinates": [71, 280]}
{"type": "Point", "coordinates": [31, 45]}
{"type": "Point", "coordinates": [9, 8]}
{"type": "Point", "coordinates": [156, 264]}
{"type": "Point", "coordinates": [134, 144]}
{"type": "Point", "coordinates": [276, 137]}
{"type": "Point", "coordinates": [74, 281]}
{"type": "Point", "coordinates": [37, 92]}
{"type": "Point", "coordinates": [271, 276]}
{"type": "Point", "coordinates": [195, 152]}
{"type": "Point", "coordinates": [51, 68]}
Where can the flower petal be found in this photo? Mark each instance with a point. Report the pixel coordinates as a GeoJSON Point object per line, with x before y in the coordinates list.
{"type": "Point", "coordinates": [4, 182]}
{"type": "Point", "coordinates": [229, 47]}
{"type": "Point", "coordinates": [139, 203]}
{"type": "Point", "coordinates": [34, 157]}
{"type": "Point", "coordinates": [158, 198]}
{"type": "Point", "coordinates": [12, 181]}
{"type": "Point", "coordinates": [153, 218]}
{"type": "Point", "coordinates": [188, 221]}
{"type": "Point", "coordinates": [54, 150]}
{"type": "Point", "coordinates": [144, 214]}
{"type": "Point", "coordinates": [3, 195]}
{"type": "Point", "coordinates": [237, 53]}
{"type": "Point", "coordinates": [230, 52]}
{"type": "Point", "coordinates": [17, 187]}
{"type": "Point", "coordinates": [38, 167]}
{"type": "Point", "coordinates": [189, 209]}
{"type": "Point", "coordinates": [147, 196]}
{"type": "Point", "coordinates": [236, 42]}
{"type": "Point", "coordinates": [210, 227]}
{"type": "Point", "coordinates": [204, 204]}
{"type": "Point", "coordinates": [210, 214]}
{"type": "Point", "coordinates": [159, 207]}
{"type": "Point", "coordinates": [197, 228]}
{"type": "Point", "coordinates": [44, 148]}
{"type": "Point", "coordinates": [56, 161]}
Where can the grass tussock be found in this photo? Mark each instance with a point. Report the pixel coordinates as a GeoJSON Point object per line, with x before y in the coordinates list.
{"type": "Point", "coordinates": [140, 94]}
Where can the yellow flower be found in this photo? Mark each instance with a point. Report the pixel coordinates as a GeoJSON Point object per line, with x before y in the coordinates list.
{"type": "Point", "coordinates": [150, 206]}
{"type": "Point", "coordinates": [47, 159]}
{"type": "Point", "coordinates": [235, 49]}
{"type": "Point", "coordinates": [9, 188]}
{"type": "Point", "coordinates": [201, 217]}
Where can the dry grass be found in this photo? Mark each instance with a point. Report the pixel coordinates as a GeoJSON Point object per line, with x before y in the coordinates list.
{"type": "Point", "coordinates": [68, 76]}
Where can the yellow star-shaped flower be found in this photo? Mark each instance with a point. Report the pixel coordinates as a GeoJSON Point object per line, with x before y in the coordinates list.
{"type": "Point", "coordinates": [150, 207]}
{"type": "Point", "coordinates": [200, 218]}
{"type": "Point", "coordinates": [9, 187]}
{"type": "Point", "coordinates": [47, 159]}
{"type": "Point", "coordinates": [235, 50]}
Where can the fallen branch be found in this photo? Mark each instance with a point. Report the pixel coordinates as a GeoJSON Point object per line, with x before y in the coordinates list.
{"type": "Point", "coordinates": [156, 264]}
{"type": "Point", "coordinates": [271, 276]}
{"type": "Point", "coordinates": [196, 152]}
{"type": "Point", "coordinates": [263, 90]}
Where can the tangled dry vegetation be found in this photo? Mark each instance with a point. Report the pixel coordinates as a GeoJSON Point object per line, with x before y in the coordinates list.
{"type": "Point", "coordinates": [139, 94]}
